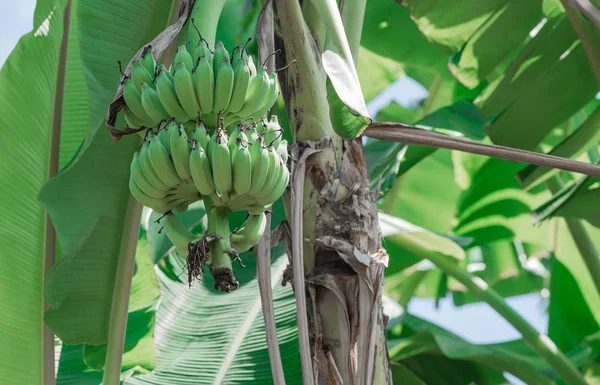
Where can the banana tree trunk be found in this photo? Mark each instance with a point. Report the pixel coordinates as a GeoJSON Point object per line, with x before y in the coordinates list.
{"type": "Point", "coordinates": [343, 258]}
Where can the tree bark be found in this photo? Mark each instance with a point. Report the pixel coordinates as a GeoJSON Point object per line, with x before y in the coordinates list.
{"type": "Point", "coordinates": [343, 258]}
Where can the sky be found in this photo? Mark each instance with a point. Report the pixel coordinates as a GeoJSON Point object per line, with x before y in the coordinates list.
{"type": "Point", "coordinates": [477, 323]}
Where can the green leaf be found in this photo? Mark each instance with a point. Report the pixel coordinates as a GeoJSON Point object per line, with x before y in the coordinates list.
{"type": "Point", "coordinates": [376, 72]}
{"type": "Point", "coordinates": [584, 205]}
{"type": "Point", "coordinates": [88, 200]}
{"type": "Point", "coordinates": [27, 87]}
{"type": "Point", "coordinates": [461, 117]}
{"type": "Point", "coordinates": [567, 197]}
{"type": "Point", "coordinates": [208, 337]}
{"type": "Point", "coordinates": [494, 40]}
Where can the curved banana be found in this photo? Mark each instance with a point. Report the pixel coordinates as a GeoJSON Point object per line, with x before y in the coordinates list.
{"type": "Point", "coordinates": [241, 169]}
{"type": "Point", "coordinates": [186, 92]}
{"type": "Point", "coordinates": [140, 180]}
{"type": "Point", "coordinates": [273, 175]}
{"type": "Point", "coordinates": [202, 50]}
{"type": "Point", "coordinates": [251, 232]}
{"type": "Point", "coordinates": [133, 100]}
{"type": "Point", "coordinates": [283, 178]}
{"type": "Point", "coordinates": [251, 66]}
{"type": "Point", "coordinates": [201, 135]}
{"type": "Point", "coordinates": [184, 57]}
{"type": "Point", "coordinates": [204, 81]}
{"type": "Point", "coordinates": [220, 53]}
{"type": "Point", "coordinates": [178, 234]}
{"type": "Point", "coordinates": [282, 150]}
{"type": "Point", "coordinates": [132, 119]}
{"type": "Point", "coordinates": [257, 92]}
{"type": "Point", "coordinates": [164, 134]}
{"type": "Point", "coordinates": [180, 151]}
{"type": "Point", "coordinates": [221, 164]}
{"type": "Point", "coordinates": [201, 171]}
{"type": "Point", "coordinates": [162, 163]}
{"type": "Point", "coordinates": [240, 86]}
{"type": "Point", "coordinates": [152, 104]}
{"type": "Point", "coordinates": [261, 166]}
{"type": "Point", "coordinates": [148, 61]}
{"type": "Point", "coordinates": [158, 205]}
{"type": "Point", "coordinates": [270, 98]}
{"type": "Point", "coordinates": [168, 97]}
{"type": "Point", "coordinates": [139, 75]}
{"type": "Point", "coordinates": [223, 86]}
{"type": "Point", "coordinates": [148, 169]}
{"type": "Point", "coordinates": [235, 134]}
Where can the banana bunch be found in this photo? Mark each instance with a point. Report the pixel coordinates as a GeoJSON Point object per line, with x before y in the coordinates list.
{"type": "Point", "coordinates": [244, 169]}
{"type": "Point", "coordinates": [203, 84]}
{"type": "Point", "coordinates": [160, 176]}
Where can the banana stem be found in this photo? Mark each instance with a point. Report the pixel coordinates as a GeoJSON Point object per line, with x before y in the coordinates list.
{"type": "Point", "coordinates": [205, 17]}
{"type": "Point", "coordinates": [219, 249]}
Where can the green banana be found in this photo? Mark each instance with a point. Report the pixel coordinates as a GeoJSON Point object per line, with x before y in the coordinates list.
{"type": "Point", "coordinates": [271, 97]}
{"type": "Point", "coordinates": [164, 134]}
{"type": "Point", "coordinates": [178, 234]}
{"type": "Point", "coordinates": [251, 232]}
{"type": "Point", "coordinates": [257, 91]}
{"type": "Point", "coordinates": [251, 66]}
{"type": "Point", "coordinates": [148, 61]}
{"type": "Point", "coordinates": [148, 170]}
{"type": "Point", "coordinates": [220, 53]}
{"type": "Point", "coordinates": [186, 92]}
{"type": "Point", "coordinates": [162, 163]}
{"type": "Point", "coordinates": [205, 85]}
{"type": "Point", "coordinates": [274, 172]}
{"type": "Point", "coordinates": [240, 85]}
{"type": "Point", "coordinates": [282, 150]}
{"type": "Point", "coordinates": [132, 119]}
{"type": "Point", "coordinates": [220, 159]}
{"type": "Point", "coordinates": [180, 151]}
{"type": "Point", "coordinates": [202, 50]}
{"type": "Point", "coordinates": [283, 178]}
{"type": "Point", "coordinates": [257, 209]}
{"type": "Point", "coordinates": [168, 97]}
{"type": "Point", "coordinates": [223, 86]}
{"type": "Point", "coordinates": [232, 142]}
{"type": "Point", "coordinates": [152, 104]}
{"type": "Point", "coordinates": [184, 57]}
{"type": "Point", "coordinates": [155, 204]}
{"type": "Point", "coordinates": [139, 75]}
{"type": "Point", "coordinates": [201, 135]}
{"type": "Point", "coordinates": [260, 167]}
{"type": "Point", "coordinates": [241, 169]}
{"type": "Point", "coordinates": [133, 100]}
{"type": "Point", "coordinates": [201, 171]}
{"type": "Point", "coordinates": [140, 180]}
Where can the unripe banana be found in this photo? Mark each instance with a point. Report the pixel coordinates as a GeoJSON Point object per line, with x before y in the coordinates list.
{"type": "Point", "coordinates": [180, 152]}
{"type": "Point", "coordinates": [223, 86]}
{"type": "Point", "coordinates": [257, 91]}
{"type": "Point", "coordinates": [168, 97]}
{"type": "Point", "coordinates": [132, 119]}
{"type": "Point", "coordinates": [165, 134]}
{"type": "Point", "coordinates": [140, 180]}
{"type": "Point", "coordinates": [139, 75]}
{"type": "Point", "coordinates": [271, 97]}
{"type": "Point", "coordinates": [283, 178]}
{"type": "Point", "coordinates": [233, 142]}
{"type": "Point", "coordinates": [257, 209]}
{"type": "Point", "coordinates": [282, 150]}
{"type": "Point", "coordinates": [148, 169]}
{"type": "Point", "coordinates": [241, 169]}
{"type": "Point", "coordinates": [178, 234]}
{"type": "Point", "coordinates": [240, 86]}
{"type": "Point", "coordinates": [252, 67]}
{"type": "Point", "coordinates": [220, 53]}
{"type": "Point", "coordinates": [201, 171]}
{"type": "Point", "coordinates": [221, 164]}
{"type": "Point", "coordinates": [260, 167]}
{"type": "Point", "coordinates": [251, 232]}
{"type": "Point", "coordinates": [149, 62]}
{"type": "Point", "coordinates": [274, 172]}
{"type": "Point", "coordinates": [202, 50]}
{"type": "Point", "coordinates": [184, 57]}
{"type": "Point", "coordinates": [186, 91]}
{"type": "Point", "coordinates": [152, 104]}
{"type": "Point", "coordinates": [201, 135]}
{"type": "Point", "coordinates": [155, 204]}
{"type": "Point", "coordinates": [162, 163]}
{"type": "Point", "coordinates": [133, 100]}
{"type": "Point", "coordinates": [205, 85]}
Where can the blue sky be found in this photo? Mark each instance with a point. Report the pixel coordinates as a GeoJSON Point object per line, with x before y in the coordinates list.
{"type": "Point", "coordinates": [477, 323]}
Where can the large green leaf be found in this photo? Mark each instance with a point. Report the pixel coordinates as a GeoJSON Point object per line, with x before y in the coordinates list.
{"type": "Point", "coordinates": [566, 202]}
{"type": "Point", "coordinates": [206, 337]}
{"type": "Point", "coordinates": [27, 87]}
{"type": "Point", "coordinates": [88, 200]}
{"type": "Point", "coordinates": [375, 72]}
{"type": "Point", "coordinates": [83, 364]}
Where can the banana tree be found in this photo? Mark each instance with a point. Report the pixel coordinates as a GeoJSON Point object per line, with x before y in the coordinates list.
{"type": "Point", "coordinates": [312, 65]}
